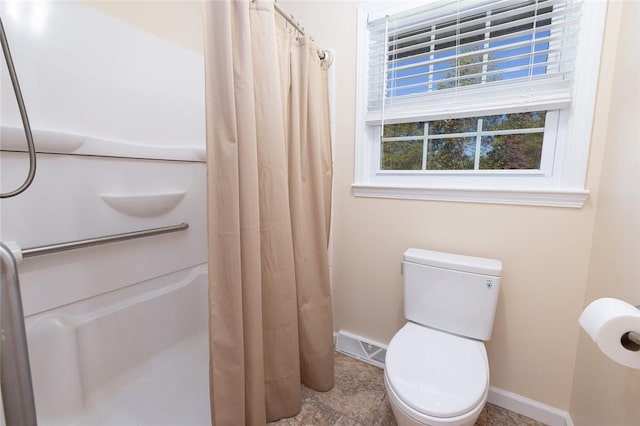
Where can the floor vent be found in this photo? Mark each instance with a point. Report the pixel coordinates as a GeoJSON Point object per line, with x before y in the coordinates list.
{"type": "Point", "coordinates": [360, 348]}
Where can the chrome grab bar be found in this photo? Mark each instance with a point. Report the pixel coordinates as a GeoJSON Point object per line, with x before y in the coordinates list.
{"type": "Point", "coordinates": [70, 245]}
{"type": "Point", "coordinates": [15, 373]}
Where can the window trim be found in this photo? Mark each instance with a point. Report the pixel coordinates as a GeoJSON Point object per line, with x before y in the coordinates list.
{"type": "Point", "coordinates": [564, 186]}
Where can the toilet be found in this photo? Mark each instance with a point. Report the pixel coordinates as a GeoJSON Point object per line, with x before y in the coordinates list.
{"type": "Point", "coordinates": [436, 367]}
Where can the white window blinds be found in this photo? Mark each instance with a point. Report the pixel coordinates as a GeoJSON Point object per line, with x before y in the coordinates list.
{"type": "Point", "coordinates": [451, 59]}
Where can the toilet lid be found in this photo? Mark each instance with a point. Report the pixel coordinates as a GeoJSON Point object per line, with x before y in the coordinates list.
{"type": "Point", "coordinates": [436, 373]}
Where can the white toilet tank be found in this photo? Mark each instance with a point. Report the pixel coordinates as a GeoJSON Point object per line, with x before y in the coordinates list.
{"type": "Point", "coordinates": [451, 292]}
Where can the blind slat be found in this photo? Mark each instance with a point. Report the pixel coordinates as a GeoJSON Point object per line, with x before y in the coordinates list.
{"type": "Point", "coordinates": [438, 11]}
{"type": "Point", "coordinates": [442, 85]}
{"type": "Point", "coordinates": [467, 8]}
{"type": "Point", "coordinates": [468, 101]}
{"type": "Point", "coordinates": [478, 53]}
{"type": "Point", "coordinates": [429, 45]}
{"type": "Point", "coordinates": [396, 27]}
{"type": "Point", "coordinates": [391, 86]}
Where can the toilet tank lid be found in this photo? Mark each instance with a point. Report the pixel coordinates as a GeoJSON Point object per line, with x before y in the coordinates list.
{"type": "Point", "coordinates": [458, 262]}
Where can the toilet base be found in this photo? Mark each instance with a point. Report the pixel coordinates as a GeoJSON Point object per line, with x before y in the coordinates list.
{"type": "Point", "coordinates": [407, 416]}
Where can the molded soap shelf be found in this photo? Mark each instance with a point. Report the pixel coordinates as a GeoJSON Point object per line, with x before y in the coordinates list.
{"type": "Point", "coordinates": [144, 205]}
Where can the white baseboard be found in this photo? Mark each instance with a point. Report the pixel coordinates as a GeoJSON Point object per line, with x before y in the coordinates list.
{"type": "Point", "coordinates": [528, 407]}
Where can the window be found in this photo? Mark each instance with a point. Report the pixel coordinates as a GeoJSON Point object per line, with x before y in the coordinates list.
{"type": "Point", "coordinates": [498, 142]}
{"type": "Point", "coordinates": [483, 100]}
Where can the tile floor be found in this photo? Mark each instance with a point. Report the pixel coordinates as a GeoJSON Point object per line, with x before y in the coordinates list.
{"type": "Point", "coordinates": [358, 399]}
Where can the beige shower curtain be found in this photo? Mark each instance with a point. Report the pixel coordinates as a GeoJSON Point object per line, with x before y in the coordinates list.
{"type": "Point", "coordinates": [269, 188]}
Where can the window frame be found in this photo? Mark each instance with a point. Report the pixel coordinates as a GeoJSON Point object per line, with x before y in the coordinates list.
{"type": "Point", "coordinates": [561, 179]}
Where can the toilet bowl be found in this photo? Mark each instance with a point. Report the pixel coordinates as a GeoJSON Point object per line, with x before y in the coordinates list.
{"type": "Point", "coordinates": [436, 366]}
{"type": "Point", "coordinates": [435, 378]}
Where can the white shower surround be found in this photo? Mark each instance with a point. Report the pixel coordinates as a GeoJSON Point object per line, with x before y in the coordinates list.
{"type": "Point", "coordinates": [117, 333]}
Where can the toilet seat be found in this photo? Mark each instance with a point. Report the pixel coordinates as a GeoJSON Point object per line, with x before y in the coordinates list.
{"type": "Point", "coordinates": [436, 373]}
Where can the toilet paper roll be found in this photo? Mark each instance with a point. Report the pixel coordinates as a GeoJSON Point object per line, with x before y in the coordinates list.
{"type": "Point", "coordinates": [609, 321]}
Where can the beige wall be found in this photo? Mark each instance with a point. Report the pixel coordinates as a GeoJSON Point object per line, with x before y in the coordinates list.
{"type": "Point", "coordinates": [545, 251]}
{"type": "Point", "coordinates": [605, 393]}
{"type": "Point", "coordinates": [178, 21]}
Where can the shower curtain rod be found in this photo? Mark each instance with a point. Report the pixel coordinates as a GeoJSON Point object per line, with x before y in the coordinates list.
{"type": "Point", "coordinates": [322, 54]}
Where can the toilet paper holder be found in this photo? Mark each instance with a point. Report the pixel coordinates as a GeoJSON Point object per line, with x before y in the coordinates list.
{"type": "Point", "coordinates": [631, 339]}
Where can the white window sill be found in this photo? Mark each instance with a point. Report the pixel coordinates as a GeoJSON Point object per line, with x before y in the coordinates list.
{"type": "Point", "coordinates": [551, 197]}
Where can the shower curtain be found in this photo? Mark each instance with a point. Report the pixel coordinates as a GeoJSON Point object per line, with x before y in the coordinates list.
{"type": "Point", "coordinates": [269, 189]}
